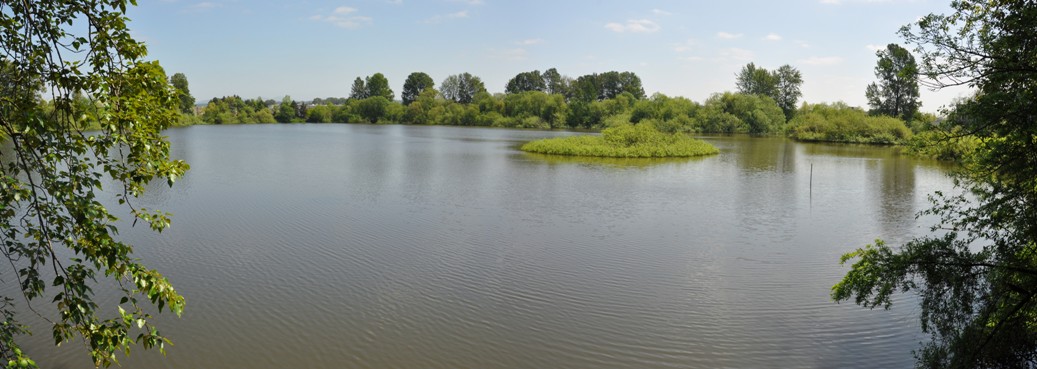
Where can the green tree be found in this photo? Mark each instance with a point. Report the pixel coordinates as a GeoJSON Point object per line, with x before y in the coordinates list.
{"type": "Point", "coordinates": [781, 85]}
{"type": "Point", "coordinates": [752, 80]}
{"type": "Point", "coordinates": [415, 84]}
{"type": "Point", "coordinates": [526, 81]}
{"type": "Point", "coordinates": [286, 111]}
{"type": "Point", "coordinates": [977, 276]}
{"type": "Point", "coordinates": [373, 108]}
{"type": "Point", "coordinates": [179, 81]}
{"type": "Point", "coordinates": [461, 88]}
{"type": "Point", "coordinates": [359, 91]}
{"type": "Point", "coordinates": [555, 83]}
{"type": "Point", "coordinates": [378, 85]}
{"type": "Point", "coordinates": [787, 92]}
{"type": "Point", "coordinates": [50, 183]}
{"type": "Point", "coordinates": [896, 92]}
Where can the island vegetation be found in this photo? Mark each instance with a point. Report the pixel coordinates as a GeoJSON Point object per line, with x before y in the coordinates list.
{"type": "Point", "coordinates": [624, 141]}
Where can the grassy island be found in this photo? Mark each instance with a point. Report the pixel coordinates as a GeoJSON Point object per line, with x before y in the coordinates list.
{"type": "Point", "coordinates": [624, 141]}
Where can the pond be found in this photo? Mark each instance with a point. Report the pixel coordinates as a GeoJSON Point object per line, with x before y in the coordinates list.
{"type": "Point", "coordinates": [445, 247]}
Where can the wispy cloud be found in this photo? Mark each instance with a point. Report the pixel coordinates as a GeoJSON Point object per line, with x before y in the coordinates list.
{"type": "Point", "coordinates": [661, 12]}
{"type": "Point", "coordinates": [803, 44]}
{"type": "Point", "coordinates": [344, 17]}
{"type": "Point", "coordinates": [469, 2]}
{"type": "Point", "coordinates": [634, 26]}
{"type": "Point", "coordinates": [874, 47]}
{"type": "Point", "coordinates": [394, 2]}
{"type": "Point", "coordinates": [531, 41]}
{"type": "Point", "coordinates": [822, 60]}
{"type": "Point", "coordinates": [735, 54]}
{"type": "Point", "coordinates": [685, 46]}
{"type": "Point", "coordinates": [772, 37]}
{"type": "Point", "coordinates": [513, 54]}
{"type": "Point", "coordinates": [728, 36]}
{"type": "Point", "coordinates": [446, 17]}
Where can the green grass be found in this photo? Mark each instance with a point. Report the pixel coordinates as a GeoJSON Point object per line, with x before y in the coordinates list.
{"type": "Point", "coordinates": [625, 141]}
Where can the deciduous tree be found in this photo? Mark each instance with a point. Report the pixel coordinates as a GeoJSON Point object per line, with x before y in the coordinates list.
{"type": "Point", "coordinates": [416, 83]}
{"type": "Point", "coordinates": [378, 85]}
{"type": "Point", "coordinates": [50, 182]}
{"type": "Point", "coordinates": [461, 88]}
{"type": "Point", "coordinates": [977, 274]}
{"type": "Point", "coordinates": [179, 81]}
{"type": "Point", "coordinates": [896, 92]}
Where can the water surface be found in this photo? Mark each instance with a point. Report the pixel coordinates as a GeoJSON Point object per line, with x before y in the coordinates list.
{"type": "Point", "coordinates": [326, 246]}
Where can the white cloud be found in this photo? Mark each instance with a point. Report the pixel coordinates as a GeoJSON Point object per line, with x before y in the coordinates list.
{"type": "Point", "coordinates": [661, 12]}
{"type": "Point", "coordinates": [343, 10]}
{"type": "Point", "coordinates": [772, 37]}
{"type": "Point", "coordinates": [634, 26]}
{"type": "Point", "coordinates": [469, 2]}
{"type": "Point", "coordinates": [735, 54]}
{"type": "Point", "coordinates": [874, 47]}
{"type": "Point", "coordinates": [685, 46]}
{"type": "Point", "coordinates": [822, 60]}
{"type": "Point", "coordinates": [803, 44]}
{"type": "Point", "coordinates": [446, 17]}
{"type": "Point", "coordinates": [531, 41]}
{"type": "Point", "coordinates": [831, 2]}
{"type": "Point", "coordinates": [728, 36]}
{"type": "Point", "coordinates": [509, 54]}
{"type": "Point", "coordinates": [394, 2]}
{"type": "Point", "coordinates": [344, 17]}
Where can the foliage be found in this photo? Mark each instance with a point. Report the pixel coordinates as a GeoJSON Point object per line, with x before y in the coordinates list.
{"type": "Point", "coordinates": [977, 277]}
{"type": "Point", "coordinates": [781, 85]}
{"type": "Point", "coordinates": [896, 93]}
{"type": "Point", "coordinates": [415, 84]}
{"type": "Point", "coordinates": [624, 141]}
{"type": "Point", "coordinates": [359, 89]}
{"type": "Point", "coordinates": [234, 110]}
{"type": "Point", "coordinates": [953, 145]}
{"type": "Point", "coordinates": [378, 85]}
{"type": "Point", "coordinates": [555, 83]}
{"type": "Point", "coordinates": [50, 183]}
{"type": "Point", "coordinates": [841, 123]}
{"type": "Point", "coordinates": [179, 81]}
{"type": "Point", "coordinates": [461, 88]}
{"type": "Point", "coordinates": [605, 86]}
{"type": "Point", "coordinates": [755, 114]}
{"type": "Point", "coordinates": [526, 81]}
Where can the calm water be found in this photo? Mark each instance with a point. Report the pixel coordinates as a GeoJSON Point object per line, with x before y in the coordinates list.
{"type": "Point", "coordinates": [352, 246]}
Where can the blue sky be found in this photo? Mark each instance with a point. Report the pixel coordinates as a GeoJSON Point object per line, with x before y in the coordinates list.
{"type": "Point", "coordinates": [309, 49]}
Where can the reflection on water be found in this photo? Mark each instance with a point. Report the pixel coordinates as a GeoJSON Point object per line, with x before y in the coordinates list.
{"type": "Point", "coordinates": [445, 247]}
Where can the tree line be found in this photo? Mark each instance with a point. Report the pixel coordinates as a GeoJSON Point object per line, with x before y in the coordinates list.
{"type": "Point", "coordinates": [765, 102]}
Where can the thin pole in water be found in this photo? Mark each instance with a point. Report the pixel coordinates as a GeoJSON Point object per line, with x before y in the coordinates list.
{"type": "Point", "coordinates": [811, 182]}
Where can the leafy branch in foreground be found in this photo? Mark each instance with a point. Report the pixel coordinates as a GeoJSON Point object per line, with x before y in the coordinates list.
{"type": "Point", "coordinates": [57, 237]}
{"type": "Point", "coordinates": [977, 275]}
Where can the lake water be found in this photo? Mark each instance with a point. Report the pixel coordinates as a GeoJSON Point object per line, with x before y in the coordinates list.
{"type": "Point", "coordinates": [357, 246]}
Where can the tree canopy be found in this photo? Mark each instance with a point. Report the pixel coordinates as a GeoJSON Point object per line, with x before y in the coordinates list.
{"type": "Point", "coordinates": [526, 81]}
{"type": "Point", "coordinates": [896, 92]}
{"type": "Point", "coordinates": [781, 85]}
{"type": "Point", "coordinates": [179, 81]}
{"type": "Point", "coordinates": [976, 276]}
{"type": "Point", "coordinates": [378, 85]}
{"type": "Point", "coordinates": [415, 84]}
{"type": "Point", "coordinates": [461, 88]}
{"type": "Point", "coordinates": [50, 183]}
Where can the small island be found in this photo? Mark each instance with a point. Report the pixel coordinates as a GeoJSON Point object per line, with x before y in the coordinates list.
{"type": "Point", "coordinates": [624, 141]}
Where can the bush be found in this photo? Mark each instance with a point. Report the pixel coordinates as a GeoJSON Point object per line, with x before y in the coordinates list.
{"type": "Point", "coordinates": [841, 123]}
{"type": "Point", "coordinates": [624, 141]}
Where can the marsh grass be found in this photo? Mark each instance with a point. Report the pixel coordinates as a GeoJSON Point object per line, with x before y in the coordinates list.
{"type": "Point", "coordinates": [624, 141]}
